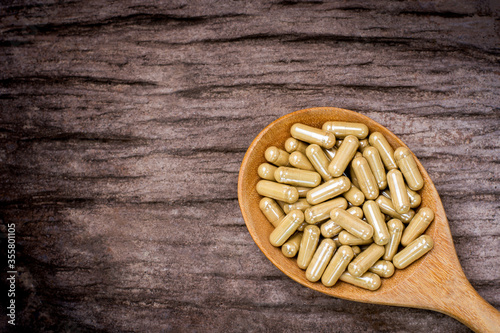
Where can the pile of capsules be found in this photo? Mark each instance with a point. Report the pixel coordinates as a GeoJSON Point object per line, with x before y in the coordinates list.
{"type": "Point", "coordinates": [346, 198]}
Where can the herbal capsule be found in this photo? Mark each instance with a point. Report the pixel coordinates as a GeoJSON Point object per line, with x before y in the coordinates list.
{"type": "Point", "coordinates": [313, 135]}
{"type": "Point", "coordinates": [302, 191]}
{"type": "Point", "coordinates": [415, 198]}
{"type": "Point", "coordinates": [351, 224]}
{"type": "Point", "coordinates": [354, 196]}
{"type": "Point", "coordinates": [272, 211]}
{"type": "Point", "coordinates": [386, 207]}
{"type": "Point", "coordinates": [356, 250]}
{"type": "Point", "coordinates": [302, 226]}
{"type": "Point", "coordinates": [417, 225]}
{"type": "Point", "coordinates": [395, 227]}
{"type": "Point", "coordinates": [320, 260]}
{"type": "Point", "coordinates": [383, 268]}
{"type": "Point", "coordinates": [266, 171]}
{"type": "Point", "coordinates": [408, 166]}
{"type": "Point", "coordinates": [277, 191]}
{"type": "Point", "coordinates": [375, 218]}
{"type": "Point", "coordinates": [338, 143]}
{"type": "Point", "coordinates": [376, 165]}
{"type": "Point", "coordinates": [321, 212]}
{"type": "Point", "coordinates": [319, 161]}
{"type": "Point", "coordinates": [365, 260]}
{"type": "Point", "coordinates": [413, 251]}
{"type": "Point", "coordinates": [286, 228]}
{"type": "Point", "coordinates": [358, 154]}
{"type": "Point", "coordinates": [346, 238]}
{"type": "Point", "coordinates": [378, 141]}
{"type": "Point", "coordinates": [336, 241]}
{"type": "Point", "coordinates": [356, 211]}
{"type": "Point", "coordinates": [341, 129]}
{"type": "Point", "coordinates": [363, 144]}
{"type": "Point", "coordinates": [354, 179]}
{"type": "Point", "coordinates": [281, 204]}
{"type": "Point", "coordinates": [343, 156]}
{"type": "Point", "coordinates": [330, 153]}
{"type": "Point", "coordinates": [297, 177]}
{"type": "Point", "coordinates": [292, 145]}
{"type": "Point", "coordinates": [300, 161]}
{"type": "Point", "coordinates": [330, 229]}
{"type": "Point", "coordinates": [276, 156]}
{"type": "Point", "coordinates": [291, 246]}
{"type": "Point", "coordinates": [366, 180]}
{"type": "Point", "coordinates": [301, 204]}
{"type": "Point", "coordinates": [308, 245]}
{"type": "Point", "coordinates": [399, 196]}
{"type": "Point", "coordinates": [368, 280]}
{"type": "Point", "coordinates": [328, 190]}
{"type": "Point", "coordinates": [337, 265]}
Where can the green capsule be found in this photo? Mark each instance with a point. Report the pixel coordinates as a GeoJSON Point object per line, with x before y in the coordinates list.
{"type": "Point", "coordinates": [330, 229]}
{"type": "Point", "coordinates": [286, 228]}
{"type": "Point", "coordinates": [277, 191]}
{"type": "Point", "coordinates": [367, 183]}
{"type": "Point", "coordinates": [395, 228]}
{"type": "Point", "coordinates": [365, 260]}
{"type": "Point", "coordinates": [300, 161]}
{"type": "Point", "coordinates": [417, 225]}
{"type": "Point", "coordinates": [386, 207]}
{"type": "Point", "coordinates": [351, 224]}
{"type": "Point", "coordinates": [321, 212]}
{"type": "Point", "coordinates": [291, 246]}
{"type": "Point", "coordinates": [301, 204]}
{"type": "Point", "coordinates": [276, 156]}
{"type": "Point", "coordinates": [319, 161]}
{"type": "Point", "coordinates": [337, 265]}
{"type": "Point", "coordinates": [376, 166]}
{"type": "Point", "coordinates": [383, 268]}
{"type": "Point", "coordinates": [343, 156]}
{"type": "Point", "coordinates": [320, 260]}
{"type": "Point", "coordinates": [385, 150]}
{"type": "Point", "coordinates": [272, 211]}
{"type": "Point", "coordinates": [368, 280]}
{"type": "Point", "coordinates": [292, 145]}
{"type": "Point", "coordinates": [408, 166]}
{"type": "Point", "coordinates": [312, 135]}
{"type": "Point", "coordinates": [342, 129]}
{"type": "Point", "coordinates": [376, 219]}
{"type": "Point", "coordinates": [328, 190]}
{"type": "Point", "coordinates": [308, 245]}
{"type": "Point", "coordinates": [297, 177]}
{"type": "Point", "coordinates": [399, 196]}
{"type": "Point", "coordinates": [346, 238]}
{"type": "Point", "coordinates": [413, 251]}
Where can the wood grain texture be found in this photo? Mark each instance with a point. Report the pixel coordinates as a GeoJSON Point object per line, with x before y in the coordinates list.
{"type": "Point", "coordinates": [123, 126]}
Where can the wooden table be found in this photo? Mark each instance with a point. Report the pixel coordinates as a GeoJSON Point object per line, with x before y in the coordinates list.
{"type": "Point", "coordinates": [123, 126]}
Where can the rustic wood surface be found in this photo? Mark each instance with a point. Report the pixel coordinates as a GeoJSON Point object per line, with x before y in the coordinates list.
{"type": "Point", "coordinates": [123, 126]}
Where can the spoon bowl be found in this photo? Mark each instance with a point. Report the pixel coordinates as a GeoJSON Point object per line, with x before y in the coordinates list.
{"type": "Point", "coordinates": [435, 281]}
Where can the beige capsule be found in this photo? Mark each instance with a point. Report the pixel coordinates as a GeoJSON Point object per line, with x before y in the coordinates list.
{"type": "Point", "coordinates": [417, 225]}
{"type": "Point", "coordinates": [363, 144]}
{"type": "Point", "coordinates": [408, 166]}
{"type": "Point", "coordinates": [291, 246]}
{"type": "Point", "coordinates": [337, 265]}
{"type": "Point", "coordinates": [266, 171]}
{"type": "Point", "coordinates": [308, 245]}
{"type": "Point", "coordinates": [336, 241]}
{"type": "Point", "coordinates": [319, 161]}
{"type": "Point", "coordinates": [352, 174]}
{"type": "Point", "coordinates": [356, 249]}
{"type": "Point", "coordinates": [330, 229]}
{"type": "Point", "coordinates": [338, 143]}
{"type": "Point", "coordinates": [377, 220]}
{"type": "Point", "coordinates": [330, 153]}
{"type": "Point", "coordinates": [399, 196]}
{"type": "Point", "coordinates": [415, 198]}
{"type": "Point", "coordinates": [376, 165]}
{"type": "Point", "coordinates": [297, 177]}
{"type": "Point", "coordinates": [276, 156]}
{"type": "Point", "coordinates": [302, 191]}
{"type": "Point", "coordinates": [358, 154]}
{"type": "Point", "coordinates": [351, 224]}
{"type": "Point", "coordinates": [286, 228]}
{"type": "Point", "coordinates": [383, 268]}
{"type": "Point", "coordinates": [302, 226]}
{"type": "Point", "coordinates": [385, 150]}
{"type": "Point", "coordinates": [277, 191]}
{"type": "Point", "coordinates": [300, 161]}
{"type": "Point", "coordinates": [272, 211]}
{"type": "Point", "coordinates": [356, 211]}
{"type": "Point", "coordinates": [301, 204]}
{"type": "Point", "coordinates": [312, 135]}
{"type": "Point", "coordinates": [343, 156]}
{"type": "Point", "coordinates": [366, 180]}
{"type": "Point", "coordinates": [320, 260]}
{"type": "Point", "coordinates": [413, 251]}
{"type": "Point", "coordinates": [365, 260]}
{"type": "Point", "coordinates": [395, 228]}
{"type": "Point", "coordinates": [328, 190]}
{"type": "Point", "coordinates": [322, 211]}
{"type": "Point", "coordinates": [341, 129]}
{"type": "Point", "coordinates": [355, 196]}
{"type": "Point", "coordinates": [368, 280]}
{"type": "Point", "coordinates": [346, 238]}
{"type": "Point", "coordinates": [292, 145]}
{"type": "Point", "coordinates": [386, 207]}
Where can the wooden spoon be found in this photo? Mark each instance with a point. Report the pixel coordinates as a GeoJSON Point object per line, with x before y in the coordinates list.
{"type": "Point", "coordinates": [434, 282]}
